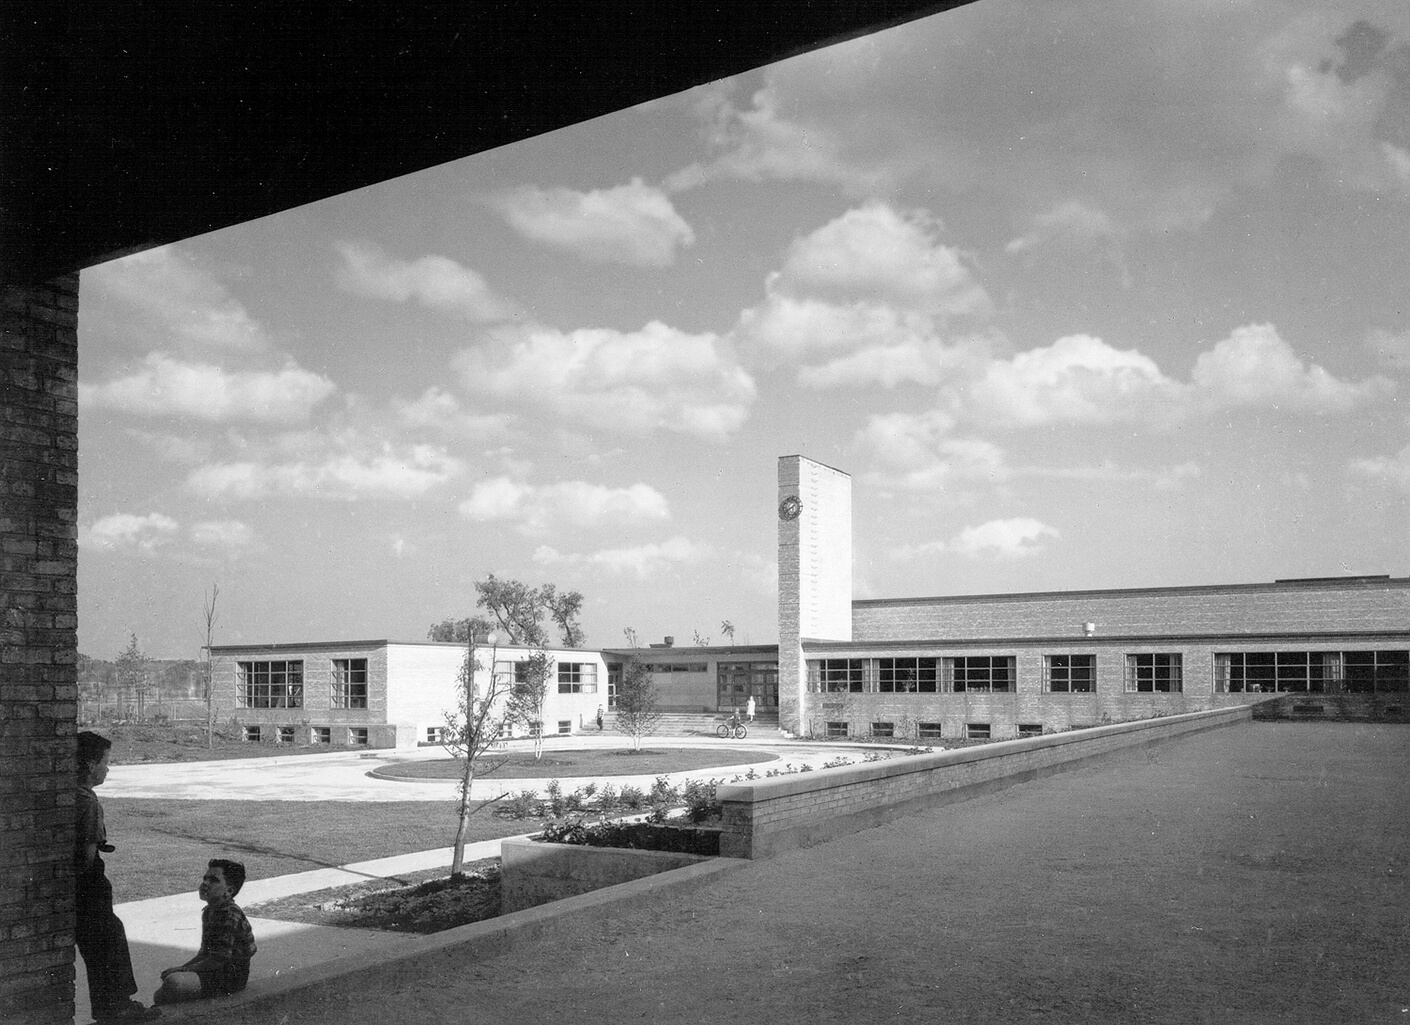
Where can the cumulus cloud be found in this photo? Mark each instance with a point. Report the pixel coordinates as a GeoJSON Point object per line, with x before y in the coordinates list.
{"type": "Point", "coordinates": [634, 224]}
{"type": "Point", "coordinates": [344, 470]}
{"type": "Point", "coordinates": [439, 410]}
{"type": "Point", "coordinates": [1009, 539]}
{"type": "Point", "coordinates": [657, 378]}
{"type": "Point", "coordinates": [1343, 97]}
{"type": "Point", "coordinates": [436, 282]}
{"type": "Point", "coordinates": [164, 386]}
{"type": "Point", "coordinates": [180, 299]}
{"type": "Point", "coordinates": [919, 452]}
{"type": "Point", "coordinates": [1255, 366]}
{"type": "Point", "coordinates": [222, 534]}
{"type": "Point", "coordinates": [1075, 222]}
{"type": "Point", "coordinates": [867, 299]}
{"type": "Point", "coordinates": [760, 144]}
{"type": "Point", "coordinates": [640, 561]}
{"type": "Point", "coordinates": [575, 503]}
{"type": "Point", "coordinates": [1077, 378]}
{"type": "Point", "coordinates": [1392, 470]}
{"type": "Point", "coordinates": [124, 530]}
{"type": "Point", "coordinates": [874, 250]}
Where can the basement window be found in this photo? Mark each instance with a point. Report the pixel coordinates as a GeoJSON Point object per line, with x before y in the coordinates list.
{"type": "Point", "coordinates": [928, 730]}
{"type": "Point", "coordinates": [883, 730]}
{"type": "Point", "coordinates": [976, 730]}
{"type": "Point", "coordinates": [836, 729]}
{"type": "Point", "coordinates": [286, 735]}
{"type": "Point", "coordinates": [357, 735]}
{"type": "Point", "coordinates": [320, 734]}
{"type": "Point", "coordinates": [435, 734]}
{"type": "Point", "coordinates": [565, 727]}
{"type": "Point", "coordinates": [252, 735]}
{"type": "Point", "coordinates": [1030, 729]}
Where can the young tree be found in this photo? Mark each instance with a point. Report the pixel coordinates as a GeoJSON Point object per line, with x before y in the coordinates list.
{"type": "Point", "coordinates": [633, 641]}
{"type": "Point", "coordinates": [530, 694]}
{"type": "Point", "coordinates": [470, 731]}
{"type": "Point", "coordinates": [206, 668]}
{"type": "Point", "coordinates": [727, 629]}
{"type": "Point", "coordinates": [636, 712]}
{"type": "Point", "coordinates": [701, 641]}
{"type": "Point", "coordinates": [134, 670]}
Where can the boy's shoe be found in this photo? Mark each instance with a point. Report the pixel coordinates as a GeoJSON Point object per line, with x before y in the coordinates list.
{"type": "Point", "coordinates": [130, 1010]}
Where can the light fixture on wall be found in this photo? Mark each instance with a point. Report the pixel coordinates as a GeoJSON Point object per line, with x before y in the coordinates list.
{"type": "Point", "coordinates": [1089, 628]}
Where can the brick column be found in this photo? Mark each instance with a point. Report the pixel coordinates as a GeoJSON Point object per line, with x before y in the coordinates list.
{"type": "Point", "coordinates": [38, 646]}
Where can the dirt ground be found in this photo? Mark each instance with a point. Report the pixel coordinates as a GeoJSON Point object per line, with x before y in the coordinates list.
{"type": "Point", "coordinates": [1248, 875]}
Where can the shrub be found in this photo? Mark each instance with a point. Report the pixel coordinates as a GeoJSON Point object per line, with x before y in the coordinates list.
{"type": "Point", "coordinates": [639, 836]}
{"type": "Point", "coordinates": [555, 797]}
{"type": "Point", "coordinates": [700, 803]}
{"type": "Point", "coordinates": [522, 805]}
{"type": "Point", "coordinates": [632, 798]}
{"type": "Point", "coordinates": [608, 800]}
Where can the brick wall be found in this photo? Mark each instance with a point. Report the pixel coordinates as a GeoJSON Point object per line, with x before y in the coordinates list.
{"type": "Point", "coordinates": [768, 816]}
{"type": "Point", "coordinates": [1296, 607]}
{"type": "Point", "coordinates": [38, 645]}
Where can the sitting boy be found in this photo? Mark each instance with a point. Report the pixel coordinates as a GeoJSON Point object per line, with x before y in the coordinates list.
{"type": "Point", "coordinates": [222, 965]}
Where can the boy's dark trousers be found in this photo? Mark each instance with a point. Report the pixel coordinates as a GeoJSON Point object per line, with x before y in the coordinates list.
{"type": "Point", "coordinates": [102, 941]}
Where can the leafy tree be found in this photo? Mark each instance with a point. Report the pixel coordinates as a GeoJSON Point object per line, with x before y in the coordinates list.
{"type": "Point", "coordinates": [518, 611]}
{"type": "Point", "coordinates": [530, 694]}
{"type": "Point", "coordinates": [134, 670]}
{"type": "Point", "coordinates": [636, 711]}
{"type": "Point", "coordinates": [471, 730]}
{"type": "Point", "coordinates": [459, 631]}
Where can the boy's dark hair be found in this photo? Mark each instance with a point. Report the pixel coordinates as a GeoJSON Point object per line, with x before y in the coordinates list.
{"type": "Point", "coordinates": [234, 873]}
{"type": "Point", "coordinates": [91, 747]}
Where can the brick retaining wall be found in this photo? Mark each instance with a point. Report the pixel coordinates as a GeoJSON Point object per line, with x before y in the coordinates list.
{"type": "Point", "coordinates": [535, 873]}
{"type": "Point", "coordinates": [765, 817]}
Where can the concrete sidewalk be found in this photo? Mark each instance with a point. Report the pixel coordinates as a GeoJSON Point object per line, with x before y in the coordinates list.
{"type": "Point", "coordinates": [166, 931]}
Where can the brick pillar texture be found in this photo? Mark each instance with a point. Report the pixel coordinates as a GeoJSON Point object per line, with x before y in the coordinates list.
{"type": "Point", "coordinates": [38, 646]}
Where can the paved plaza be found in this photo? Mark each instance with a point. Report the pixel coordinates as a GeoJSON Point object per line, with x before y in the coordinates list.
{"type": "Point", "coordinates": [1251, 874]}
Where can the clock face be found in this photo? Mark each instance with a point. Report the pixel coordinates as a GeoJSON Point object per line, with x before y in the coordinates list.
{"type": "Point", "coordinates": [789, 508]}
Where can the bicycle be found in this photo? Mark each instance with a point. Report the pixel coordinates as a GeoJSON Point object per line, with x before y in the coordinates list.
{"type": "Point", "coordinates": [732, 727]}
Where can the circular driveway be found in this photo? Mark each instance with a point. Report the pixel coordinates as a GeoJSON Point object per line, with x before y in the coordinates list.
{"type": "Point", "coordinates": [343, 776]}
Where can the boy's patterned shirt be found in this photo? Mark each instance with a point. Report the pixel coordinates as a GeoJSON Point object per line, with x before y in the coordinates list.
{"type": "Point", "coordinates": [226, 934]}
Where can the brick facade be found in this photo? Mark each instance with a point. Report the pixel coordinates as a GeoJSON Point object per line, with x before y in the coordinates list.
{"type": "Point", "coordinates": [38, 648]}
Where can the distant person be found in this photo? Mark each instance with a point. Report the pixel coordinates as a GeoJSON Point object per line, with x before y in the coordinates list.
{"type": "Point", "coordinates": [599, 718]}
{"type": "Point", "coordinates": [98, 931]}
{"type": "Point", "coordinates": [222, 965]}
{"type": "Point", "coordinates": [749, 708]}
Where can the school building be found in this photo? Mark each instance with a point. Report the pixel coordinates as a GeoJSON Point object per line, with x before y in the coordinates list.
{"type": "Point", "coordinates": [924, 669]}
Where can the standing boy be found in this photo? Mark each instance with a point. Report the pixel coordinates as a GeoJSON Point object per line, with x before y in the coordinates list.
{"type": "Point", "coordinates": [98, 931]}
{"type": "Point", "coordinates": [222, 965]}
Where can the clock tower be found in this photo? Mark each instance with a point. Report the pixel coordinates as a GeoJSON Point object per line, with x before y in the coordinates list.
{"type": "Point", "coordinates": [814, 571]}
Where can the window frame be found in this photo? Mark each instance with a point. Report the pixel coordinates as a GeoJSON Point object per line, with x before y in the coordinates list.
{"type": "Point", "coordinates": [837, 675]}
{"type": "Point", "coordinates": [1060, 679]}
{"type": "Point", "coordinates": [1137, 672]}
{"type": "Point", "coordinates": [908, 675]}
{"type": "Point", "coordinates": [963, 671]}
{"type": "Point", "coordinates": [573, 679]}
{"type": "Point", "coordinates": [255, 684]}
{"type": "Point", "coordinates": [346, 686]}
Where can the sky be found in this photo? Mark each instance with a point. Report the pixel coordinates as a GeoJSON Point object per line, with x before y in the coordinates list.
{"type": "Point", "coordinates": [1081, 294]}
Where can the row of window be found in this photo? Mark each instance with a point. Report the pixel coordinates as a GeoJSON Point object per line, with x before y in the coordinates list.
{"type": "Point", "coordinates": [1154, 672]}
{"type": "Point", "coordinates": [928, 730]}
{"type": "Point", "coordinates": [437, 734]}
{"type": "Point", "coordinates": [960, 674]}
{"type": "Point", "coordinates": [354, 735]}
{"type": "Point", "coordinates": [280, 684]}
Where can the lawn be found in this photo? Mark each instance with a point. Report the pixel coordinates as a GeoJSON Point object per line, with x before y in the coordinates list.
{"type": "Point", "coordinates": [163, 846]}
{"type": "Point", "coordinates": [591, 762]}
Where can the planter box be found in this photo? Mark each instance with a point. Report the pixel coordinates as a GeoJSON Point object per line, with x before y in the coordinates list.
{"type": "Point", "coordinates": [534, 873]}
